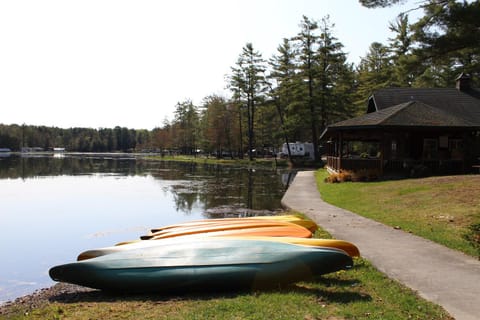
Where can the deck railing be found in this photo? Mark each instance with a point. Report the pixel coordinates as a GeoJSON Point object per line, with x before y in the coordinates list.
{"type": "Point", "coordinates": [352, 164]}
{"type": "Point", "coordinates": [355, 164]}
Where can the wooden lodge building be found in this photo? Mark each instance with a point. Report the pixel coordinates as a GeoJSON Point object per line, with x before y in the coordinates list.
{"type": "Point", "coordinates": [410, 131]}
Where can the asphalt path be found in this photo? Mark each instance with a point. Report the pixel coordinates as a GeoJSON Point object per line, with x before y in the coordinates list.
{"type": "Point", "coordinates": [446, 277]}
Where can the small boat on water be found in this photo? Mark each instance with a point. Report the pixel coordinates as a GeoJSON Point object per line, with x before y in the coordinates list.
{"type": "Point", "coordinates": [203, 264]}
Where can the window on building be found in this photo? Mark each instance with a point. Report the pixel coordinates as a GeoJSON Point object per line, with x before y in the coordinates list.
{"type": "Point", "coordinates": [430, 148]}
{"type": "Point", "coordinates": [394, 149]}
{"type": "Point", "coordinates": [455, 146]}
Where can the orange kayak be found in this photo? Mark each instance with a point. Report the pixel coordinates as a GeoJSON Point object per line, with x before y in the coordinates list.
{"type": "Point", "coordinates": [266, 229]}
{"type": "Point", "coordinates": [219, 226]}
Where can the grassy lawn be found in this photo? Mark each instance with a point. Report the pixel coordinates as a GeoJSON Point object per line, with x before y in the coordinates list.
{"type": "Point", "coordinates": [442, 209]}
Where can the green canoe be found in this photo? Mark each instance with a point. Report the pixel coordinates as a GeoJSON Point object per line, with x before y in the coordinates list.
{"type": "Point", "coordinates": [206, 264]}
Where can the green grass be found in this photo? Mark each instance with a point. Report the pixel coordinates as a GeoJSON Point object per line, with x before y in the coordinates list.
{"type": "Point", "coordinates": [441, 209]}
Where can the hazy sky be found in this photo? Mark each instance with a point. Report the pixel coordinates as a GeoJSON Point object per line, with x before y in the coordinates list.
{"type": "Point", "coordinates": [102, 63]}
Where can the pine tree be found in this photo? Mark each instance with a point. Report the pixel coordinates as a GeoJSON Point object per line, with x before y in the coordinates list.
{"type": "Point", "coordinates": [335, 83]}
{"type": "Point", "coordinates": [400, 46]}
{"type": "Point", "coordinates": [307, 46]}
{"type": "Point", "coordinates": [373, 72]}
{"type": "Point", "coordinates": [248, 86]}
{"type": "Point", "coordinates": [284, 91]}
{"type": "Point", "coordinates": [447, 36]}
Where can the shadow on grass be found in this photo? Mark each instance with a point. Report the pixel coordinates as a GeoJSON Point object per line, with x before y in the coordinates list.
{"type": "Point", "coordinates": [330, 289]}
{"type": "Point", "coordinates": [334, 290]}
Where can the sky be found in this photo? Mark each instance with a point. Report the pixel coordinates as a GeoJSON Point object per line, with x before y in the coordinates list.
{"type": "Point", "coordinates": [107, 63]}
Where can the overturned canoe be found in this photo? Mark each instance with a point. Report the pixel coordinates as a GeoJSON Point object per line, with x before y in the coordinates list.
{"type": "Point", "coordinates": [234, 223]}
{"type": "Point", "coordinates": [205, 264]}
{"type": "Point", "coordinates": [293, 231]}
{"type": "Point", "coordinates": [240, 228]}
{"type": "Point", "coordinates": [346, 246]}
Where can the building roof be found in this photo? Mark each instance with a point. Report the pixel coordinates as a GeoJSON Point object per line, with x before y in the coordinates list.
{"type": "Point", "coordinates": [405, 115]}
{"type": "Point", "coordinates": [440, 108]}
{"type": "Point", "coordinates": [464, 104]}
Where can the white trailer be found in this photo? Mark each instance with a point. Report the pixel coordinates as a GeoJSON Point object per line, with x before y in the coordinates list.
{"type": "Point", "coordinates": [299, 149]}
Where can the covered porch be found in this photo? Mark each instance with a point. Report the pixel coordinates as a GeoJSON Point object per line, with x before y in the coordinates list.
{"type": "Point", "coordinates": [397, 152]}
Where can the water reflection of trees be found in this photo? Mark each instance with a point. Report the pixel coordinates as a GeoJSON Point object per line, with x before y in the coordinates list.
{"type": "Point", "coordinates": [218, 187]}
{"type": "Point", "coordinates": [224, 190]}
{"type": "Point", "coordinates": [30, 167]}
{"type": "Point", "coordinates": [193, 185]}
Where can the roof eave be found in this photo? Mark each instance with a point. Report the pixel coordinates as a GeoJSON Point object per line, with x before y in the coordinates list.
{"type": "Point", "coordinates": [330, 130]}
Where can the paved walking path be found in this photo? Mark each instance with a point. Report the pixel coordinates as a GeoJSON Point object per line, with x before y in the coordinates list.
{"type": "Point", "coordinates": [441, 275]}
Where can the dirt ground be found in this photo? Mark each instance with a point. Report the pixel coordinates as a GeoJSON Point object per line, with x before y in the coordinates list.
{"type": "Point", "coordinates": [61, 292]}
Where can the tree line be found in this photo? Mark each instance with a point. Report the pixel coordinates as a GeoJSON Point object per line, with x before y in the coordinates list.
{"type": "Point", "coordinates": [295, 94]}
{"type": "Point", "coordinates": [17, 137]}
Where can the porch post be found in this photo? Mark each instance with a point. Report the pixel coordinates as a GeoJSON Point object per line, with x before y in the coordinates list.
{"type": "Point", "coordinates": [340, 150]}
{"type": "Point", "coordinates": [382, 152]}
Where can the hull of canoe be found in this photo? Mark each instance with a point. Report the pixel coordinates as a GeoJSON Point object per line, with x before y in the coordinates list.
{"type": "Point", "coordinates": [292, 231]}
{"type": "Point", "coordinates": [306, 223]}
{"type": "Point", "coordinates": [204, 264]}
{"type": "Point", "coordinates": [277, 230]}
{"type": "Point", "coordinates": [218, 226]}
{"type": "Point", "coordinates": [346, 246]}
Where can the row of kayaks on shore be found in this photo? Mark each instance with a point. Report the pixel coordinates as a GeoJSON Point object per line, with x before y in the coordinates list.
{"type": "Point", "coordinates": [212, 254]}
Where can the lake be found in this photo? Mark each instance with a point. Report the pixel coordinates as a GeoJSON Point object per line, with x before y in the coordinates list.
{"type": "Point", "coordinates": [53, 208]}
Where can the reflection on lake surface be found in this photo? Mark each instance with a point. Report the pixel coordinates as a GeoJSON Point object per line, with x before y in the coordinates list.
{"type": "Point", "coordinates": [51, 209]}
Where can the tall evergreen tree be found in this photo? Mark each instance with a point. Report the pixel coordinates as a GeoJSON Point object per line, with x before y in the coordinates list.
{"type": "Point", "coordinates": [284, 92]}
{"type": "Point", "coordinates": [373, 72]}
{"type": "Point", "coordinates": [307, 45]}
{"type": "Point", "coordinates": [444, 42]}
{"type": "Point", "coordinates": [328, 80]}
{"type": "Point", "coordinates": [448, 36]}
{"type": "Point", "coordinates": [404, 70]}
{"type": "Point", "coordinates": [335, 83]}
{"type": "Point", "coordinates": [248, 85]}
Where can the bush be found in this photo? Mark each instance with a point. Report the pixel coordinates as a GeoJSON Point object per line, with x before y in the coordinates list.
{"type": "Point", "coordinates": [341, 176]}
{"type": "Point", "coordinates": [356, 176]}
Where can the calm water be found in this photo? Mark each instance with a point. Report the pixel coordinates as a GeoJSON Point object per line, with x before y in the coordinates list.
{"type": "Point", "coordinates": [51, 209]}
